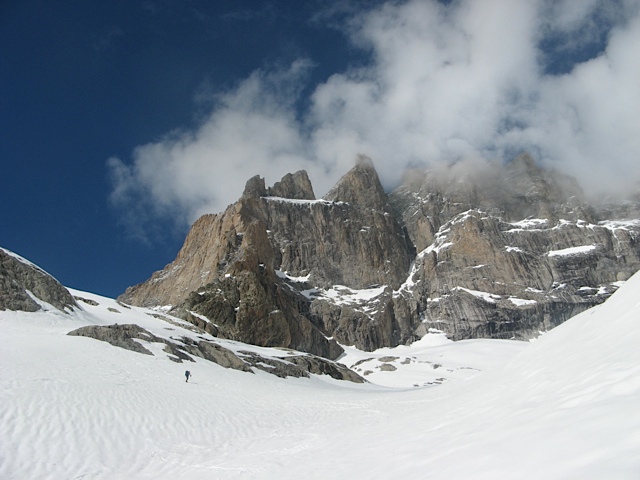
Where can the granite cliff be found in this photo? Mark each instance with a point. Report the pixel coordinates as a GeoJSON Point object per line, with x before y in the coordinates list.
{"type": "Point", "coordinates": [507, 252]}
{"type": "Point", "coordinates": [255, 272]}
{"type": "Point", "coordinates": [497, 251]}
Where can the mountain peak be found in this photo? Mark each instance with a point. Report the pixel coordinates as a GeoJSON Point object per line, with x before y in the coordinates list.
{"type": "Point", "coordinates": [255, 187]}
{"type": "Point", "coordinates": [364, 161]}
{"type": "Point", "coordinates": [295, 186]}
{"type": "Point", "coordinates": [361, 187]}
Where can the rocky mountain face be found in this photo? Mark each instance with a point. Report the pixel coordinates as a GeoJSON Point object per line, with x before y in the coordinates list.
{"type": "Point", "coordinates": [255, 272]}
{"type": "Point", "coordinates": [474, 251]}
{"type": "Point", "coordinates": [23, 286]}
{"type": "Point", "coordinates": [508, 252]}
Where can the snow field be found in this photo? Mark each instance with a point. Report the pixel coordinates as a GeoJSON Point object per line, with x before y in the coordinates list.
{"type": "Point", "coordinates": [563, 407]}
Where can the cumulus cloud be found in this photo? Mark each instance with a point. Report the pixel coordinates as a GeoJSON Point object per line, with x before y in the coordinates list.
{"type": "Point", "coordinates": [252, 130]}
{"type": "Point", "coordinates": [469, 79]}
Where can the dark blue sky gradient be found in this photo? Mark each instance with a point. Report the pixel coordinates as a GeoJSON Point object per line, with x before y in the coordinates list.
{"type": "Point", "coordinates": [82, 81]}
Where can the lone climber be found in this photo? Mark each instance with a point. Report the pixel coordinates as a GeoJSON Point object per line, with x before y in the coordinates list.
{"type": "Point", "coordinates": [187, 374]}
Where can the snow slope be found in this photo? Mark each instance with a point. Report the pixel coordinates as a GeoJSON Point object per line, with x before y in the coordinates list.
{"type": "Point", "coordinates": [564, 407]}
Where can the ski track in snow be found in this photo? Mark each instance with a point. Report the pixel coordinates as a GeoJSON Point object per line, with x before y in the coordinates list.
{"type": "Point", "coordinates": [564, 407]}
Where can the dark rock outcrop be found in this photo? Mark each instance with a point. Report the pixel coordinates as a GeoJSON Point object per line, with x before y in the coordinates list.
{"type": "Point", "coordinates": [123, 336]}
{"type": "Point", "coordinates": [131, 337]}
{"type": "Point", "coordinates": [20, 281]}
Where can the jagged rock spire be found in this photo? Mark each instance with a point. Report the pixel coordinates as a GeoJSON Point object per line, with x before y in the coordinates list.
{"type": "Point", "coordinates": [361, 187]}
{"type": "Point", "coordinates": [295, 186]}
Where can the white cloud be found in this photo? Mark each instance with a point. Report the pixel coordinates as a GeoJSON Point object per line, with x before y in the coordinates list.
{"type": "Point", "coordinates": [445, 82]}
{"type": "Point", "coordinates": [252, 130]}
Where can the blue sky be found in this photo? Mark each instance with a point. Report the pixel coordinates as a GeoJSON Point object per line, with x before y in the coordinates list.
{"type": "Point", "coordinates": [83, 81]}
{"type": "Point", "coordinates": [124, 121]}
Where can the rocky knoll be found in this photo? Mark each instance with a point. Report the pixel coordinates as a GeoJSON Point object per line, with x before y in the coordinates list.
{"type": "Point", "coordinates": [289, 364]}
{"type": "Point", "coordinates": [22, 282]}
{"type": "Point", "coordinates": [493, 251]}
